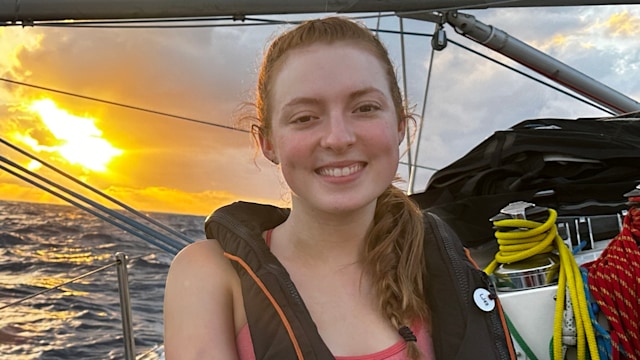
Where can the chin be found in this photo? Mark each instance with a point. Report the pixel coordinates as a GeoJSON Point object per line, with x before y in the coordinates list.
{"type": "Point", "coordinates": [343, 206]}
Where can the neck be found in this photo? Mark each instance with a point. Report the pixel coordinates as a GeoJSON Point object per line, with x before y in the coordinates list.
{"type": "Point", "coordinates": [325, 238]}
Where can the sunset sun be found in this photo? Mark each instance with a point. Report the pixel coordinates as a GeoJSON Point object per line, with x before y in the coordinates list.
{"type": "Point", "coordinates": [79, 140]}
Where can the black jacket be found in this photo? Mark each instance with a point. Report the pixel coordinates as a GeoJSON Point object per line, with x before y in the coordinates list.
{"type": "Point", "coordinates": [282, 328]}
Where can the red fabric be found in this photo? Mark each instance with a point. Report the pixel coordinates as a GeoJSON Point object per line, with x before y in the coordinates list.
{"type": "Point", "coordinates": [614, 282]}
{"type": "Point", "coordinates": [393, 352]}
{"type": "Point", "coordinates": [267, 238]}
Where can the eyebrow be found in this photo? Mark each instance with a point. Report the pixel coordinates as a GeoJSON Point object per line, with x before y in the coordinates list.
{"type": "Point", "coordinates": [314, 101]}
{"type": "Point", "coordinates": [365, 91]}
{"type": "Point", "coordinates": [301, 101]}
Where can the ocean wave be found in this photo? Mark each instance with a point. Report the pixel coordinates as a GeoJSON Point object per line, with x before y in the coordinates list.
{"type": "Point", "coordinates": [43, 247]}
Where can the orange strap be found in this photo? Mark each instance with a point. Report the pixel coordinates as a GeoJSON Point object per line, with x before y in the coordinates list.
{"type": "Point", "coordinates": [273, 301]}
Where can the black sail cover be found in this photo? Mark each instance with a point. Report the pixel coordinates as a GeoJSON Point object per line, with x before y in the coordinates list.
{"type": "Point", "coordinates": [575, 166]}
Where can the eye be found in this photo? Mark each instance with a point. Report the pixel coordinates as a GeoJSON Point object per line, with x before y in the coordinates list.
{"type": "Point", "coordinates": [302, 119]}
{"type": "Point", "coordinates": [366, 108]}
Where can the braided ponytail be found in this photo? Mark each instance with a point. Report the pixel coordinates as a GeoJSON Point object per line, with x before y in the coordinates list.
{"type": "Point", "coordinates": [394, 259]}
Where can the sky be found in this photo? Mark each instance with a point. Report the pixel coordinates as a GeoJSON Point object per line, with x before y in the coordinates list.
{"type": "Point", "coordinates": [177, 164]}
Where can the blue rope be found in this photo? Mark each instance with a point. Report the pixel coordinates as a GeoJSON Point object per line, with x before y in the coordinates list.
{"type": "Point", "coordinates": [603, 339]}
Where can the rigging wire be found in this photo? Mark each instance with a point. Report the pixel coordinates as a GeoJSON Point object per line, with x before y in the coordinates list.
{"type": "Point", "coordinates": [100, 193]}
{"type": "Point", "coordinates": [509, 67]}
{"type": "Point", "coordinates": [529, 76]}
{"type": "Point", "coordinates": [114, 103]}
{"type": "Point", "coordinates": [408, 164]}
{"type": "Point", "coordinates": [127, 224]}
{"type": "Point", "coordinates": [404, 89]}
{"type": "Point", "coordinates": [412, 174]}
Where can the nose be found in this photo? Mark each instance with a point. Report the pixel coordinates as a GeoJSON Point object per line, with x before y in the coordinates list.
{"type": "Point", "coordinates": [338, 134]}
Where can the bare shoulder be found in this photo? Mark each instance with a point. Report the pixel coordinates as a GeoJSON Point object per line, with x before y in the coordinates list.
{"type": "Point", "coordinates": [202, 294]}
{"type": "Point", "coordinates": [201, 255]}
{"type": "Point", "coordinates": [200, 268]}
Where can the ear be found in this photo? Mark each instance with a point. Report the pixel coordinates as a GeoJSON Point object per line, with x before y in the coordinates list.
{"type": "Point", "coordinates": [402, 130]}
{"type": "Point", "coordinates": [267, 148]}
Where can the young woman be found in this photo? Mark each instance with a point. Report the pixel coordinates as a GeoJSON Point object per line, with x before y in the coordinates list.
{"type": "Point", "coordinates": [342, 272]}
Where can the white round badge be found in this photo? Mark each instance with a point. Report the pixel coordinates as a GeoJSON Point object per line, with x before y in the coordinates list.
{"type": "Point", "coordinates": [483, 300]}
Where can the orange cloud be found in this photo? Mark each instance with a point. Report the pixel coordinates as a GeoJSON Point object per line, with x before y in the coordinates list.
{"type": "Point", "coordinates": [18, 192]}
{"type": "Point", "coordinates": [12, 42]}
{"type": "Point", "coordinates": [559, 40]}
{"type": "Point", "coordinates": [623, 24]}
{"type": "Point", "coordinates": [156, 199]}
{"type": "Point", "coordinates": [164, 199]}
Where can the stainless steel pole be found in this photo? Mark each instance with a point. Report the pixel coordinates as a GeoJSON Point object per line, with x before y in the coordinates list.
{"type": "Point", "coordinates": [125, 306]}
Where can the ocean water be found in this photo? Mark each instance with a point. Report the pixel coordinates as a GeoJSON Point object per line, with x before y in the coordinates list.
{"type": "Point", "coordinates": [43, 245]}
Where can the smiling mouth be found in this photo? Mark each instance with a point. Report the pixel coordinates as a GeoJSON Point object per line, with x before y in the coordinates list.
{"type": "Point", "coordinates": [340, 171]}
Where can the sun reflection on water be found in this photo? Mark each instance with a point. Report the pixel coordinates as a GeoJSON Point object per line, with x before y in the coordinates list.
{"type": "Point", "coordinates": [72, 255]}
{"type": "Point", "coordinates": [21, 327]}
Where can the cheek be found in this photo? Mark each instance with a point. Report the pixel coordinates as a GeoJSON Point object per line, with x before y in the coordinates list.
{"type": "Point", "coordinates": [384, 139]}
{"type": "Point", "coordinates": [384, 147]}
{"type": "Point", "coordinates": [291, 150]}
{"type": "Point", "coordinates": [295, 163]}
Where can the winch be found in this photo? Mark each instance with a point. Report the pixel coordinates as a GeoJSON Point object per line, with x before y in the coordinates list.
{"type": "Point", "coordinates": [535, 270]}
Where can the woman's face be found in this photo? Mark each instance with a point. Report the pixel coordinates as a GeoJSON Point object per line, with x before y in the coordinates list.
{"type": "Point", "coordinates": [334, 130]}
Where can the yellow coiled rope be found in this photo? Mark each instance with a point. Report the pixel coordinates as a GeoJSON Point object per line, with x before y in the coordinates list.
{"type": "Point", "coordinates": [539, 239]}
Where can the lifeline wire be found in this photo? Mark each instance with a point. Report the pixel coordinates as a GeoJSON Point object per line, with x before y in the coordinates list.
{"type": "Point", "coordinates": [79, 277]}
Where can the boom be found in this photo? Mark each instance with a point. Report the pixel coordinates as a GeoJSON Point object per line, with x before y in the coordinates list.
{"type": "Point", "coordinates": [27, 11]}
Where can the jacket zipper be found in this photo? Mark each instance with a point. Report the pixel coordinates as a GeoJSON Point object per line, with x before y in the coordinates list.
{"type": "Point", "coordinates": [455, 261]}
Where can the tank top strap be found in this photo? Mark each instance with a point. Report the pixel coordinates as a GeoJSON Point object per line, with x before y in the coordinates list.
{"type": "Point", "coordinates": [267, 238]}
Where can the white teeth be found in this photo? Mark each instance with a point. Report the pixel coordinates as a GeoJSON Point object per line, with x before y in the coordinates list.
{"type": "Point", "coordinates": [336, 172]}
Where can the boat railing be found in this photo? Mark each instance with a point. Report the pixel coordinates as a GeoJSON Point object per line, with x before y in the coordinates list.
{"type": "Point", "coordinates": [120, 262]}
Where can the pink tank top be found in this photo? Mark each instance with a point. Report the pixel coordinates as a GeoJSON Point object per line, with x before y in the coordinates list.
{"type": "Point", "coordinates": [393, 352]}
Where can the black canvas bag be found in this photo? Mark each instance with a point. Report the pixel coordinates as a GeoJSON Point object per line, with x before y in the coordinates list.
{"type": "Point", "coordinates": [577, 167]}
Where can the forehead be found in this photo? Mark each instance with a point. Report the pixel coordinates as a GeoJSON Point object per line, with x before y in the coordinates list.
{"type": "Point", "coordinates": [327, 67]}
